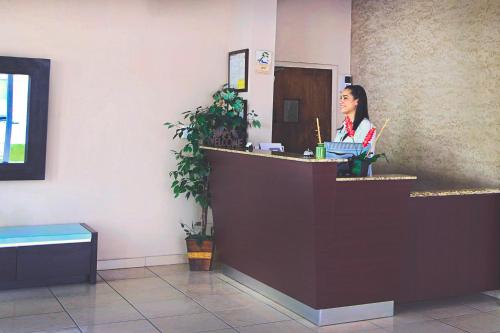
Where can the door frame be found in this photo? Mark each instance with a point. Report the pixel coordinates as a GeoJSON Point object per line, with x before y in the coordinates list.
{"type": "Point", "coordinates": [335, 71]}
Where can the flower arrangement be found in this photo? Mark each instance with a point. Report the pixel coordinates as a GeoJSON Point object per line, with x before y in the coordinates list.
{"type": "Point", "coordinates": [349, 127]}
{"type": "Point", "coordinates": [364, 158]}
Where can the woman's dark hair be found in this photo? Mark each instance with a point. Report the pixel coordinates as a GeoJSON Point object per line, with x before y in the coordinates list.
{"type": "Point", "coordinates": [359, 93]}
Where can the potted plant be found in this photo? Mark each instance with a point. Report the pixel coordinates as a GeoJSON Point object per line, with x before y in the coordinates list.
{"type": "Point", "coordinates": [190, 178]}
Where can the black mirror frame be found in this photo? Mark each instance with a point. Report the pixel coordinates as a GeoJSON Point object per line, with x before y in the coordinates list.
{"type": "Point", "coordinates": [39, 71]}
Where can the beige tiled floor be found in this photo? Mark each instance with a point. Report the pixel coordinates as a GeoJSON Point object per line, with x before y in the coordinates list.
{"type": "Point", "coordinates": [171, 299]}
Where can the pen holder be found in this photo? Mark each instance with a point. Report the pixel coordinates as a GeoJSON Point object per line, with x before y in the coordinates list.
{"type": "Point", "coordinates": [320, 151]}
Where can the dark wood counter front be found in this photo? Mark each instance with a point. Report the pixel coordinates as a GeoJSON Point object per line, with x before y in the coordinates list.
{"type": "Point", "coordinates": [334, 243]}
{"type": "Point", "coordinates": [360, 244]}
{"type": "Point", "coordinates": [294, 227]}
{"type": "Point", "coordinates": [453, 244]}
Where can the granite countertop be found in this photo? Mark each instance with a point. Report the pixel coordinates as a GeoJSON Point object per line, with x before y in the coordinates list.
{"type": "Point", "coordinates": [278, 155]}
{"type": "Point", "coordinates": [377, 177]}
{"type": "Point", "coordinates": [414, 194]}
{"type": "Point", "coordinates": [443, 193]}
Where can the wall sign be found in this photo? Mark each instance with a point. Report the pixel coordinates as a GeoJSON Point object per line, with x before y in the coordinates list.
{"type": "Point", "coordinates": [231, 138]}
{"type": "Point", "coordinates": [263, 61]}
{"type": "Point", "coordinates": [238, 70]}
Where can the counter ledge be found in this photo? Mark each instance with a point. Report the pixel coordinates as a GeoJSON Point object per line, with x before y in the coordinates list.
{"type": "Point", "coordinates": [278, 155]}
{"type": "Point", "coordinates": [377, 177]}
{"type": "Point", "coordinates": [421, 194]}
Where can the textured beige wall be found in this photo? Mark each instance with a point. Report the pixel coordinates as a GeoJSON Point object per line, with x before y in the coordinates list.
{"type": "Point", "coordinates": [433, 67]}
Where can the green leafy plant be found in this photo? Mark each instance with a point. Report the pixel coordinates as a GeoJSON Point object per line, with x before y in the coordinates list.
{"type": "Point", "coordinates": [191, 175]}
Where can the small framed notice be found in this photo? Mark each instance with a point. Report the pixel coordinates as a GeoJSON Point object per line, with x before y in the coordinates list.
{"type": "Point", "coordinates": [238, 70]}
{"type": "Point", "coordinates": [263, 61]}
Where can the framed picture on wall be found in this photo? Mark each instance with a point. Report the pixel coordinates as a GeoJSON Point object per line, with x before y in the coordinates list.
{"type": "Point", "coordinates": [238, 70]}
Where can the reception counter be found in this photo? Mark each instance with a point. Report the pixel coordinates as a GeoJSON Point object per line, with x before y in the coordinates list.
{"type": "Point", "coordinates": [344, 249]}
{"type": "Point", "coordinates": [453, 244]}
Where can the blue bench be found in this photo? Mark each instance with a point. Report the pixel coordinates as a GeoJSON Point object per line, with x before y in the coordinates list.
{"type": "Point", "coordinates": [42, 255]}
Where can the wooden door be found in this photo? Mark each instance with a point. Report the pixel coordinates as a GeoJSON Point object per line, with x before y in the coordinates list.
{"type": "Point", "coordinates": [301, 95]}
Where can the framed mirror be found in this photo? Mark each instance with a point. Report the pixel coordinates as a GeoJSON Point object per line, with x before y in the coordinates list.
{"type": "Point", "coordinates": [24, 98]}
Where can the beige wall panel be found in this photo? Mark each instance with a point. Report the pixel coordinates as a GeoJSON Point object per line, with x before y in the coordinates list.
{"type": "Point", "coordinates": [120, 69]}
{"type": "Point", "coordinates": [433, 67]}
{"type": "Point", "coordinates": [316, 33]}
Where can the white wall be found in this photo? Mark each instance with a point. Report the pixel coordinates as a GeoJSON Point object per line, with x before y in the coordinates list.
{"type": "Point", "coordinates": [120, 69]}
{"type": "Point", "coordinates": [315, 32]}
{"type": "Point", "coordinates": [253, 26]}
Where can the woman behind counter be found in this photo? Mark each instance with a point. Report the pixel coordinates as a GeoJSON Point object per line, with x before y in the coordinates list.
{"type": "Point", "coordinates": [354, 105]}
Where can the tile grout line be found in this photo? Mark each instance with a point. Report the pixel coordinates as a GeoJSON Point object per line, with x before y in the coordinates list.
{"type": "Point", "coordinates": [31, 314]}
{"type": "Point", "coordinates": [254, 294]}
{"type": "Point", "coordinates": [65, 310]}
{"type": "Point", "coordinates": [218, 277]}
{"type": "Point", "coordinates": [461, 329]}
{"type": "Point", "coordinates": [214, 314]}
{"type": "Point", "coordinates": [478, 307]}
{"type": "Point", "coordinates": [192, 300]}
{"type": "Point", "coordinates": [186, 295]}
{"type": "Point", "coordinates": [429, 319]}
{"type": "Point", "coordinates": [273, 304]}
{"type": "Point", "coordinates": [458, 328]}
{"type": "Point", "coordinates": [125, 321]}
{"type": "Point", "coordinates": [239, 288]}
{"type": "Point", "coordinates": [126, 300]}
{"type": "Point", "coordinates": [269, 302]}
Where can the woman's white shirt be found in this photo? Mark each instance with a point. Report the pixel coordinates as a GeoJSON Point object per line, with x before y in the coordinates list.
{"type": "Point", "coordinates": [360, 134]}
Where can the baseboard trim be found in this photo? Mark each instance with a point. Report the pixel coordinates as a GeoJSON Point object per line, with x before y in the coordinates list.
{"type": "Point", "coordinates": [319, 317]}
{"type": "Point", "coordinates": [141, 261]}
{"type": "Point", "coordinates": [493, 293]}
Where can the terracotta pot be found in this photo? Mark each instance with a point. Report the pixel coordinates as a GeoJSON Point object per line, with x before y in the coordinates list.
{"type": "Point", "coordinates": [200, 255]}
